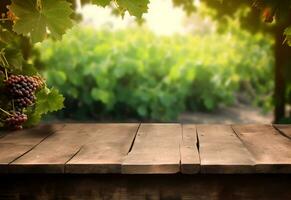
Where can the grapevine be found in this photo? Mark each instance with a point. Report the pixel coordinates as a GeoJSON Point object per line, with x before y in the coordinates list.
{"type": "Point", "coordinates": [20, 89]}
{"type": "Point", "coordinates": [19, 96]}
{"type": "Point", "coordinates": [25, 97]}
{"type": "Point", "coordinates": [15, 120]}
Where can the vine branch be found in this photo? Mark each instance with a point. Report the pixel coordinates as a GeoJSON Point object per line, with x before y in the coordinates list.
{"type": "Point", "coordinates": [7, 113]}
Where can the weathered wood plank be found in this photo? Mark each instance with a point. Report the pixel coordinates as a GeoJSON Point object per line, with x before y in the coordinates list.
{"type": "Point", "coordinates": [155, 150]}
{"type": "Point", "coordinates": [106, 150]}
{"type": "Point", "coordinates": [51, 155]}
{"type": "Point", "coordinates": [284, 129]}
{"type": "Point", "coordinates": [190, 159]}
{"type": "Point", "coordinates": [271, 150]}
{"type": "Point", "coordinates": [221, 151]}
{"type": "Point", "coordinates": [158, 148]}
{"type": "Point", "coordinates": [15, 144]}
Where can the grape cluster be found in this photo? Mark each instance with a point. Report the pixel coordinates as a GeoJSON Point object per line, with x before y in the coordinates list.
{"type": "Point", "coordinates": [24, 101]}
{"type": "Point", "coordinates": [22, 88]}
{"type": "Point", "coordinates": [15, 120]}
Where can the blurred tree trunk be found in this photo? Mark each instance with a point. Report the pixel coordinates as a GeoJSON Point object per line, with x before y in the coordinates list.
{"type": "Point", "coordinates": [282, 60]}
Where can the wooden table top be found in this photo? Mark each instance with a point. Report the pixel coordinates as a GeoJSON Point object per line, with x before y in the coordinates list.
{"type": "Point", "coordinates": [133, 148]}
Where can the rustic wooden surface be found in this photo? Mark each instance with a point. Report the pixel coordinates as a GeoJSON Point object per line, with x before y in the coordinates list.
{"type": "Point", "coordinates": [284, 129]}
{"type": "Point", "coordinates": [221, 151]}
{"type": "Point", "coordinates": [155, 150]}
{"type": "Point", "coordinates": [271, 150]}
{"type": "Point", "coordinates": [132, 148]}
{"type": "Point", "coordinates": [16, 144]}
{"type": "Point", "coordinates": [105, 150]}
{"type": "Point", "coordinates": [190, 159]}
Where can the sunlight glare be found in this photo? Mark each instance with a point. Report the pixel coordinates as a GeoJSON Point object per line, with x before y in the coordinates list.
{"type": "Point", "coordinates": [162, 18]}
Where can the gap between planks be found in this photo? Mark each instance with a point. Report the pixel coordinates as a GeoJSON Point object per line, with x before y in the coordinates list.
{"type": "Point", "coordinates": [53, 132]}
{"type": "Point", "coordinates": [105, 151]}
{"type": "Point", "coordinates": [189, 153]}
{"type": "Point", "coordinates": [282, 130]}
{"type": "Point", "coordinates": [156, 150]}
{"type": "Point", "coordinates": [221, 151]}
{"type": "Point", "coordinates": [163, 148]}
{"type": "Point", "coordinates": [270, 148]}
{"type": "Point", "coordinates": [23, 145]}
{"type": "Point", "coordinates": [131, 146]}
{"type": "Point", "coordinates": [33, 147]}
{"type": "Point", "coordinates": [79, 150]}
{"type": "Point", "coordinates": [273, 167]}
{"type": "Point", "coordinates": [50, 155]}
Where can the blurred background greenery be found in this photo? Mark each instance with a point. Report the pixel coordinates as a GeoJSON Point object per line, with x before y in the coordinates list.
{"type": "Point", "coordinates": [138, 73]}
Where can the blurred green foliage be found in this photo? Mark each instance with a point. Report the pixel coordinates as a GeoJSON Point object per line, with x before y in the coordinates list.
{"type": "Point", "coordinates": [133, 73]}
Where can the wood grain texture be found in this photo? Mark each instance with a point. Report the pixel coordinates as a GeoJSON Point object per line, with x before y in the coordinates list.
{"type": "Point", "coordinates": [190, 159]}
{"type": "Point", "coordinates": [284, 129]}
{"type": "Point", "coordinates": [105, 150]}
{"type": "Point", "coordinates": [221, 151]}
{"type": "Point", "coordinates": [155, 150]}
{"type": "Point", "coordinates": [52, 154]}
{"type": "Point", "coordinates": [15, 144]}
{"type": "Point", "coordinates": [271, 150]}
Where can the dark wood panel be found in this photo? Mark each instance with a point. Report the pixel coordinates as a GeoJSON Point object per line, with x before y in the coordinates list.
{"type": "Point", "coordinates": [270, 149]}
{"type": "Point", "coordinates": [155, 150]}
{"type": "Point", "coordinates": [190, 159]}
{"type": "Point", "coordinates": [284, 129]}
{"type": "Point", "coordinates": [221, 151]}
{"type": "Point", "coordinates": [15, 144]}
{"type": "Point", "coordinates": [105, 150]}
{"type": "Point", "coordinates": [134, 187]}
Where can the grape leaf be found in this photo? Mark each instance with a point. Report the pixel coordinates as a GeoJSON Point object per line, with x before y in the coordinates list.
{"type": "Point", "coordinates": [5, 35]}
{"type": "Point", "coordinates": [34, 19]}
{"type": "Point", "coordinates": [102, 3]}
{"type": "Point", "coordinates": [48, 100]}
{"type": "Point", "coordinates": [33, 118]}
{"type": "Point", "coordinates": [134, 7]}
{"type": "Point", "coordinates": [14, 58]}
{"type": "Point", "coordinates": [28, 69]}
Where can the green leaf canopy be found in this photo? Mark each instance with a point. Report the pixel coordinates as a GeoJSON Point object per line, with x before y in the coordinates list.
{"type": "Point", "coordinates": [35, 17]}
{"type": "Point", "coordinates": [102, 3]}
{"type": "Point", "coordinates": [135, 7]}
